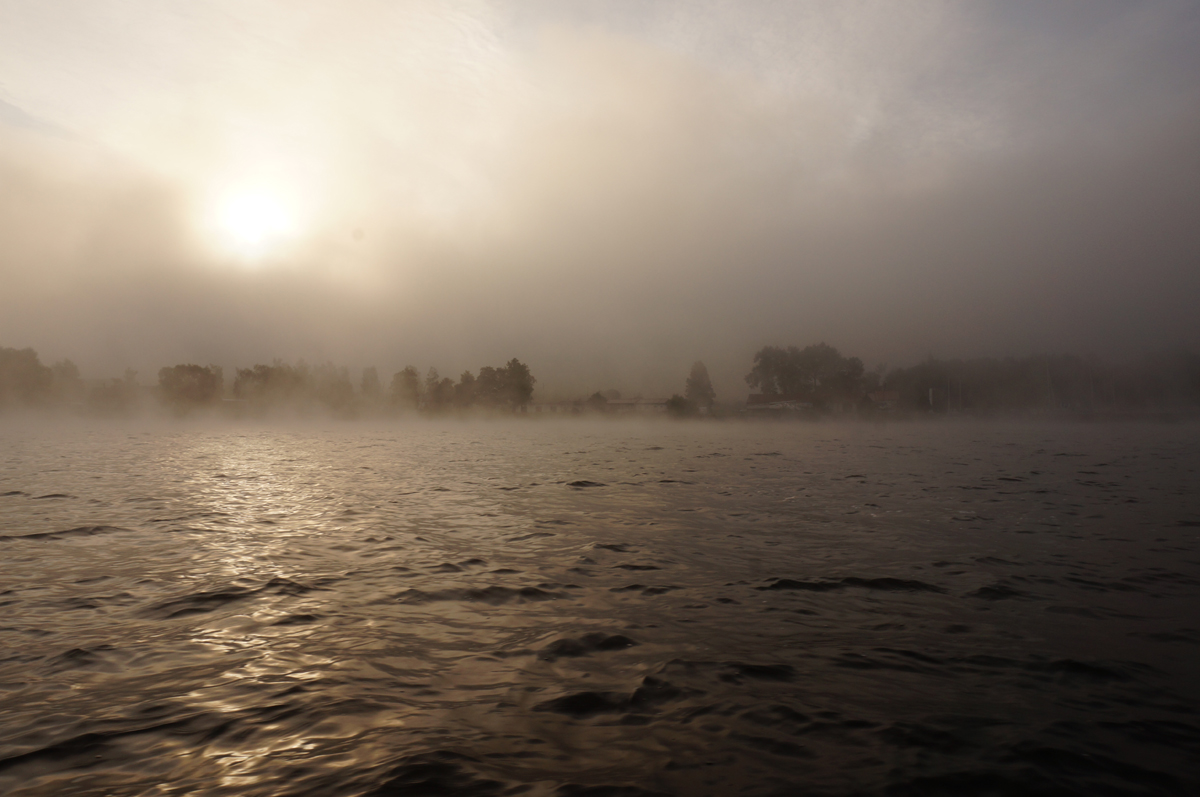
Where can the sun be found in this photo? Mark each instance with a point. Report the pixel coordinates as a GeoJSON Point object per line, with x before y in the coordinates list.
{"type": "Point", "coordinates": [254, 222]}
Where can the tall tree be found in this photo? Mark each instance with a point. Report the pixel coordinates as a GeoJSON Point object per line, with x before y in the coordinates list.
{"type": "Point", "coordinates": [434, 390]}
{"type": "Point", "coordinates": [774, 370]}
{"type": "Point", "coordinates": [519, 382]}
{"type": "Point", "coordinates": [406, 388]}
{"type": "Point", "coordinates": [23, 378]}
{"type": "Point", "coordinates": [489, 386]}
{"type": "Point", "coordinates": [272, 385]}
{"type": "Point", "coordinates": [184, 386]}
{"type": "Point", "coordinates": [464, 391]}
{"type": "Point", "coordinates": [699, 388]}
{"type": "Point", "coordinates": [818, 371]}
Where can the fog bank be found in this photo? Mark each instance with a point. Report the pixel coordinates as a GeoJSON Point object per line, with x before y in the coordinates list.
{"type": "Point", "coordinates": [608, 192]}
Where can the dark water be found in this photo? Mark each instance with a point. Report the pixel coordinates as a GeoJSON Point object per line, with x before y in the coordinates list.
{"type": "Point", "coordinates": [570, 609]}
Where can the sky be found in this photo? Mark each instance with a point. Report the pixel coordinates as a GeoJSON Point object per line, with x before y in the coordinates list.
{"type": "Point", "coordinates": [608, 191]}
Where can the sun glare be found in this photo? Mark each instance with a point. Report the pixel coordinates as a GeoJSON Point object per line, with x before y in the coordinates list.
{"type": "Point", "coordinates": [253, 222]}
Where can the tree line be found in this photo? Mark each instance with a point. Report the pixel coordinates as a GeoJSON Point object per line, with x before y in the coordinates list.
{"type": "Point", "coordinates": [508, 388]}
{"type": "Point", "coordinates": [1062, 384]}
{"type": "Point", "coordinates": [25, 382]}
{"type": "Point", "coordinates": [817, 377]}
{"type": "Point", "coordinates": [818, 373]}
{"type": "Point", "coordinates": [820, 377]}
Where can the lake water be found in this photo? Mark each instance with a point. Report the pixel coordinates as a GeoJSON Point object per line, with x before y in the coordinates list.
{"type": "Point", "coordinates": [599, 609]}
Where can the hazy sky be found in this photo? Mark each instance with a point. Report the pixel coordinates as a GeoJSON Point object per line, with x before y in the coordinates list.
{"type": "Point", "coordinates": [606, 190]}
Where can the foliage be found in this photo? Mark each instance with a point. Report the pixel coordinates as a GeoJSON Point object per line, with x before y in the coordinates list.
{"type": "Point", "coordinates": [23, 378]}
{"type": "Point", "coordinates": [265, 385]}
{"type": "Point", "coordinates": [406, 389]}
{"type": "Point", "coordinates": [509, 388]}
{"type": "Point", "coordinates": [518, 382]}
{"type": "Point", "coordinates": [464, 391]}
{"type": "Point", "coordinates": [187, 386]}
{"type": "Point", "coordinates": [300, 387]}
{"type": "Point", "coordinates": [439, 392]}
{"type": "Point", "coordinates": [818, 372]}
{"type": "Point", "coordinates": [1059, 383]}
{"type": "Point", "coordinates": [680, 407]}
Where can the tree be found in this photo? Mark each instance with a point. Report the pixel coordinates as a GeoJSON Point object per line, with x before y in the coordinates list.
{"type": "Point", "coordinates": [774, 370]}
{"type": "Point", "coordinates": [489, 386]}
{"type": "Point", "coordinates": [406, 388]}
{"type": "Point", "coordinates": [438, 391]}
{"type": "Point", "coordinates": [464, 391]}
{"type": "Point", "coordinates": [699, 389]}
{"type": "Point", "coordinates": [679, 407]}
{"type": "Point", "coordinates": [187, 386]}
{"type": "Point", "coordinates": [818, 371]}
{"type": "Point", "coordinates": [442, 394]}
{"type": "Point", "coordinates": [519, 382]}
{"type": "Point", "coordinates": [23, 378]}
{"type": "Point", "coordinates": [265, 385]}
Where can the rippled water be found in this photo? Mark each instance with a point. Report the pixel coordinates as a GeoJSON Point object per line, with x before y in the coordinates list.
{"type": "Point", "coordinates": [564, 608]}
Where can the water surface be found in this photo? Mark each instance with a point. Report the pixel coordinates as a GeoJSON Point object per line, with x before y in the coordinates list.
{"type": "Point", "coordinates": [567, 608]}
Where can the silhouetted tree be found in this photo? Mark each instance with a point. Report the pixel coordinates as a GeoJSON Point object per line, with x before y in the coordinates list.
{"type": "Point", "coordinates": [597, 401]}
{"type": "Point", "coordinates": [699, 388]}
{"type": "Point", "coordinates": [489, 386]}
{"type": "Point", "coordinates": [818, 372]}
{"type": "Point", "coordinates": [272, 385]}
{"type": "Point", "coordinates": [680, 407]}
{"type": "Point", "coordinates": [1050, 383]}
{"type": "Point", "coordinates": [187, 386]}
{"type": "Point", "coordinates": [439, 392]}
{"type": "Point", "coordinates": [775, 370]}
{"type": "Point", "coordinates": [442, 395]}
{"type": "Point", "coordinates": [518, 382]}
{"type": "Point", "coordinates": [464, 391]}
{"type": "Point", "coordinates": [406, 388]}
{"type": "Point", "coordinates": [23, 378]}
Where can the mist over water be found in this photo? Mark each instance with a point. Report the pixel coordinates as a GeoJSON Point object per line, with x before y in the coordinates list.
{"type": "Point", "coordinates": [608, 191]}
{"type": "Point", "coordinates": [564, 607]}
